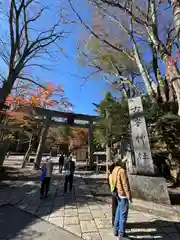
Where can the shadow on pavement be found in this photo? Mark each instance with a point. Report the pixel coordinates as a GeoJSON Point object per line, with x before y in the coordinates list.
{"type": "Point", "coordinates": [162, 230]}
{"type": "Point", "coordinates": [174, 197]}
{"type": "Point", "coordinates": [17, 224]}
{"type": "Point", "coordinates": [23, 194]}
{"type": "Point", "coordinates": [19, 219]}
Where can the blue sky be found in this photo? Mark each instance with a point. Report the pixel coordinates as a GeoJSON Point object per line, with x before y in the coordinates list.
{"type": "Point", "coordinates": [65, 68]}
{"type": "Point", "coordinates": [81, 95]}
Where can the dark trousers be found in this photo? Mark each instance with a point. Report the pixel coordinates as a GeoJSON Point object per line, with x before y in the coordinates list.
{"type": "Point", "coordinates": [60, 168]}
{"type": "Point", "coordinates": [114, 206]}
{"type": "Point", "coordinates": [45, 186]}
{"type": "Point", "coordinates": [68, 179]}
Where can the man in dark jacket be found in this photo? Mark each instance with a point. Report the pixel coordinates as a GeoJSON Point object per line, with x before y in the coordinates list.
{"type": "Point", "coordinates": [61, 163]}
{"type": "Point", "coordinates": [69, 174]}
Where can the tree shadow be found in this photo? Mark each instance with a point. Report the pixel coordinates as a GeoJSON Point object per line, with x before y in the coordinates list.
{"type": "Point", "coordinates": [20, 225]}
{"type": "Point", "coordinates": [9, 227]}
{"type": "Point", "coordinates": [174, 198]}
{"type": "Point", "coordinates": [22, 195]}
{"type": "Point", "coordinates": [25, 207]}
{"type": "Point", "coordinates": [159, 229]}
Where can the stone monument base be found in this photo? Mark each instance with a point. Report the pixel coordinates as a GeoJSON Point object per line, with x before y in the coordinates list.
{"type": "Point", "coordinates": [149, 188]}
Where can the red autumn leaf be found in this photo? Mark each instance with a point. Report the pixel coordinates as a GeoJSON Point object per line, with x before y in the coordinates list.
{"type": "Point", "coordinates": [50, 97]}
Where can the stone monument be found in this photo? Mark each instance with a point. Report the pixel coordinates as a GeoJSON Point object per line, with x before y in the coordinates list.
{"type": "Point", "coordinates": [126, 149]}
{"type": "Point", "coordinates": [144, 184]}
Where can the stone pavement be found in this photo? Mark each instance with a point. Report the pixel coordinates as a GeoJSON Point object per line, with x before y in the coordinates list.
{"type": "Point", "coordinates": [81, 213]}
{"type": "Point", "coordinates": [29, 227]}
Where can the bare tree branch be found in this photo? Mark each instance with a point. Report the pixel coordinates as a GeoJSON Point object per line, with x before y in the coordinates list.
{"type": "Point", "coordinates": [86, 78]}
{"type": "Point", "coordinates": [117, 4]}
{"type": "Point", "coordinates": [37, 65]}
{"type": "Point", "coordinates": [95, 34]}
{"type": "Point", "coordinates": [23, 48]}
{"type": "Point", "coordinates": [32, 81]}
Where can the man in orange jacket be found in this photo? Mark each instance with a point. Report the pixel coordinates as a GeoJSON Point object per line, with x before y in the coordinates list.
{"type": "Point", "coordinates": [122, 188]}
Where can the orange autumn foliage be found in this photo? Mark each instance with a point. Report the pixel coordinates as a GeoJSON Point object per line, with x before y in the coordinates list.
{"type": "Point", "coordinates": [52, 96]}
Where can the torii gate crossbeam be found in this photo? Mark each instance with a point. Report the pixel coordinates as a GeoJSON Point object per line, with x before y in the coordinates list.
{"type": "Point", "coordinates": [70, 117]}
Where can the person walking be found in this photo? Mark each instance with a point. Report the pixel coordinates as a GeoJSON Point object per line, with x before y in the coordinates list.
{"type": "Point", "coordinates": [114, 196]}
{"type": "Point", "coordinates": [47, 168]}
{"type": "Point", "coordinates": [122, 189]}
{"type": "Point", "coordinates": [69, 174]}
{"type": "Point", "coordinates": [61, 163]}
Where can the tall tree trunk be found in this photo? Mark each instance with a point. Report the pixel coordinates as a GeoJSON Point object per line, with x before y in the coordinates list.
{"type": "Point", "coordinates": [4, 141]}
{"type": "Point", "coordinates": [28, 152]}
{"type": "Point", "coordinates": [165, 96]}
{"type": "Point", "coordinates": [6, 88]}
{"type": "Point", "coordinates": [3, 150]}
{"type": "Point", "coordinates": [151, 87]}
{"type": "Point", "coordinates": [3, 127]}
{"type": "Point", "coordinates": [174, 74]}
{"type": "Point", "coordinates": [176, 86]}
{"type": "Point", "coordinates": [176, 13]}
{"type": "Point", "coordinates": [108, 144]}
{"type": "Point", "coordinates": [169, 91]}
{"type": "Point", "coordinates": [42, 140]}
{"type": "Point", "coordinates": [174, 79]}
{"type": "Point", "coordinates": [108, 157]}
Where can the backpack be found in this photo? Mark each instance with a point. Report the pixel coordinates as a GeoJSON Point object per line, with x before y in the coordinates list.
{"type": "Point", "coordinates": [43, 174]}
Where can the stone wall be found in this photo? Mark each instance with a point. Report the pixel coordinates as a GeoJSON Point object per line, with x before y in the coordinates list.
{"type": "Point", "coordinates": [149, 188]}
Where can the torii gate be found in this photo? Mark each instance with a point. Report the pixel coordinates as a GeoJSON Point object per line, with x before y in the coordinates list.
{"type": "Point", "coordinates": [70, 117]}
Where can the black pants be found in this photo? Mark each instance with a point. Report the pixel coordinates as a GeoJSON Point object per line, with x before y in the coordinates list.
{"type": "Point", "coordinates": [114, 206]}
{"type": "Point", "coordinates": [60, 168]}
{"type": "Point", "coordinates": [45, 186]}
{"type": "Point", "coordinates": [68, 179]}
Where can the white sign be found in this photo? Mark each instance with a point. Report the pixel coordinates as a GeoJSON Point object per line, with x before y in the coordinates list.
{"type": "Point", "coordinates": [143, 157]}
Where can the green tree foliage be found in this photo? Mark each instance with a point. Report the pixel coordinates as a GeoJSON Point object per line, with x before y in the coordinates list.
{"type": "Point", "coordinates": [114, 120]}
{"type": "Point", "coordinates": [109, 60]}
{"type": "Point", "coordinates": [136, 27]}
{"type": "Point", "coordinates": [118, 68]}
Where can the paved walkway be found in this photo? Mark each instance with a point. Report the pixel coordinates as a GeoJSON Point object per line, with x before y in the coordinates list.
{"type": "Point", "coordinates": [80, 213]}
{"type": "Point", "coordinates": [19, 225]}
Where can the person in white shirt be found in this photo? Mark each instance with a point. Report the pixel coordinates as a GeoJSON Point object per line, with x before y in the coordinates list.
{"type": "Point", "coordinates": [47, 168]}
